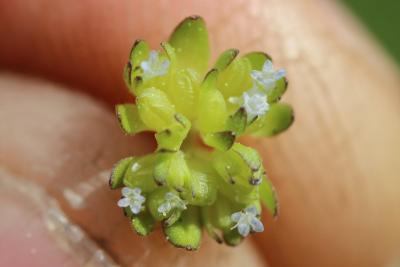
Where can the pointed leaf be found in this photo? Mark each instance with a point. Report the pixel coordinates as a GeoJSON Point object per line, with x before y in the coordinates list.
{"type": "Point", "coordinates": [257, 59]}
{"type": "Point", "coordinates": [268, 196]}
{"type": "Point", "coordinates": [129, 120]}
{"type": "Point", "coordinates": [232, 238]}
{"type": "Point", "coordinates": [190, 40]}
{"type": "Point", "coordinates": [249, 155]}
{"type": "Point", "coordinates": [212, 107]}
{"type": "Point", "coordinates": [237, 122]}
{"type": "Point", "coordinates": [171, 168]}
{"type": "Point", "coordinates": [275, 94]}
{"type": "Point", "coordinates": [155, 109]}
{"type": "Point", "coordinates": [279, 118]}
{"type": "Point", "coordinates": [235, 79]}
{"type": "Point", "coordinates": [118, 172]}
{"type": "Point", "coordinates": [143, 223]}
{"type": "Point", "coordinates": [186, 232]}
{"type": "Point", "coordinates": [139, 173]}
{"type": "Point", "coordinates": [183, 91]}
{"type": "Point", "coordinates": [225, 59]}
{"type": "Point", "coordinates": [139, 52]}
{"type": "Point", "coordinates": [220, 140]}
{"type": "Point", "coordinates": [203, 188]}
{"type": "Point", "coordinates": [176, 214]}
{"type": "Point", "coordinates": [154, 200]}
{"type": "Point", "coordinates": [171, 138]}
{"type": "Point", "coordinates": [206, 214]}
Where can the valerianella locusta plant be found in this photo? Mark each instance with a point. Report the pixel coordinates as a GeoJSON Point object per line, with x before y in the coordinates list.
{"type": "Point", "coordinates": [199, 177]}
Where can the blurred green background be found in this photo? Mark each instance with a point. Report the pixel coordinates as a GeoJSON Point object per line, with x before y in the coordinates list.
{"type": "Point", "coordinates": [382, 18]}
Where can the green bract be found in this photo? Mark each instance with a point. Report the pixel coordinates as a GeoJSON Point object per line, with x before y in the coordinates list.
{"type": "Point", "coordinates": [200, 176]}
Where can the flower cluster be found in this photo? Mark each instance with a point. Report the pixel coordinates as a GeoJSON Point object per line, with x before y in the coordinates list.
{"type": "Point", "coordinates": [199, 177]}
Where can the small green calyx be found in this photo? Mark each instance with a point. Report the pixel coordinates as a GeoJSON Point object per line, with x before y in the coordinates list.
{"type": "Point", "coordinates": [200, 176]}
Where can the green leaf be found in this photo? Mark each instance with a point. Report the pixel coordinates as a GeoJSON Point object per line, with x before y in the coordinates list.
{"type": "Point", "coordinates": [186, 232]}
{"type": "Point", "coordinates": [225, 59]}
{"type": "Point", "coordinates": [249, 155]}
{"type": "Point", "coordinates": [212, 107]}
{"type": "Point", "coordinates": [232, 237]}
{"type": "Point", "coordinates": [171, 168]}
{"type": "Point", "coordinates": [170, 53]}
{"type": "Point", "coordinates": [118, 172]}
{"type": "Point", "coordinates": [139, 52]}
{"type": "Point", "coordinates": [275, 94]}
{"type": "Point", "coordinates": [237, 122]}
{"type": "Point", "coordinates": [206, 215]}
{"type": "Point", "coordinates": [154, 200]}
{"type": "Point", "coordinates": [268, 196]}
{"type": "Point", "coordinates": [155, 109]}
{"type": "Point", "coordinates": [257, 59]}
{"type": "Point", "coordinates": [143, 223]}
{"type": "Point", "coordinates": [279, 118]}
{"type": "Point", "coordinates": [139, 173]}
{"type": "Point", "coordinates": [203, 187]}
{"type": "Point", "coordinates": [162, 166]}
{"type": "Point", "coordinates": [129, 120]}
{"type": "Point", "coordinates": [175, 215]}
{"type": "Point", "coordinates": [220, 140]}
{"type": "Point", "coordinates": [183, 90]}
{"type": "Point", "coordinates": [190, 40]}
{"type": "Point", "coordinates": [172, 138]}
{"type": "Point", "coordinates": [235, 79]}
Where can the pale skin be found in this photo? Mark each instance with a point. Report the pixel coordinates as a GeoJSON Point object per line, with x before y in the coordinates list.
{"type": "Point", "coordinates": [336, 170]}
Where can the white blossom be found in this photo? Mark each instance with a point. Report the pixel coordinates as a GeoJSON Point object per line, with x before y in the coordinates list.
{"type": "Point", "coordinates": [247, 220]}
{"type": "Point", "coordinates": [172, 201]}
{"type": "Point", "coordinates": [254, 101]}
{"type": "Point", "coordinates": [267, 77]}
{"type": "Point", "coordinates": [132, 198]}
{"type": "Point", "coordinates": [154, 66]}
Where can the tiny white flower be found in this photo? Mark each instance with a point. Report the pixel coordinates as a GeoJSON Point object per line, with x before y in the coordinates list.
{"type": "Point", "coordinates": [247, 220]}
{"type": "Point", "coordinates": [154, 66]}
{"type": "Point", "coordinates": [267, 77]}
{"type": "Point", "coordinates": [132, 198]}
{"type": "Point", "coordinates": [255, 103]}
{"type": "Point", "coordinates": [172, 201]}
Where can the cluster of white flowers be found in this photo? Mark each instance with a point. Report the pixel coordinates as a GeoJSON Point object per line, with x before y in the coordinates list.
{"type": "Point", "coordinates": [133, 199]}
{"type": "Point", "coordinates": [254, 100]}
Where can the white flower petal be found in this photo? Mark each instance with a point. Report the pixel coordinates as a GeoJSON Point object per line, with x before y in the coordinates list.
{"type": "Point", "coordinates": [256, 225]}
{"type": "Point", "coordinates": [126, 191]}
{"type": "Point", "coordinates": [137, 191]}
{"type": "Point", "coordinates": [153, 55]}
{"type": "Point", "coordinates": [268, 67]}
{"type": "Point", "coordinates": [252, 210]}
{"type": "Point", "coordinates": [135, 208]}
{"type": "Point", "coordinates": [123, 202]}
{"type": "Point", "coordinates": [145, 66]}
{"type": "Point", "coordinates": [236, 216]}
{"type": "Point", "coordinates": [279, 74]}
{"type": "Point", "coordinates": [244, 229]}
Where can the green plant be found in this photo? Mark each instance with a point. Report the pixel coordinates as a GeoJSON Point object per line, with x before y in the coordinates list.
{"type": "Point", "coordinates": [199, 177]}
